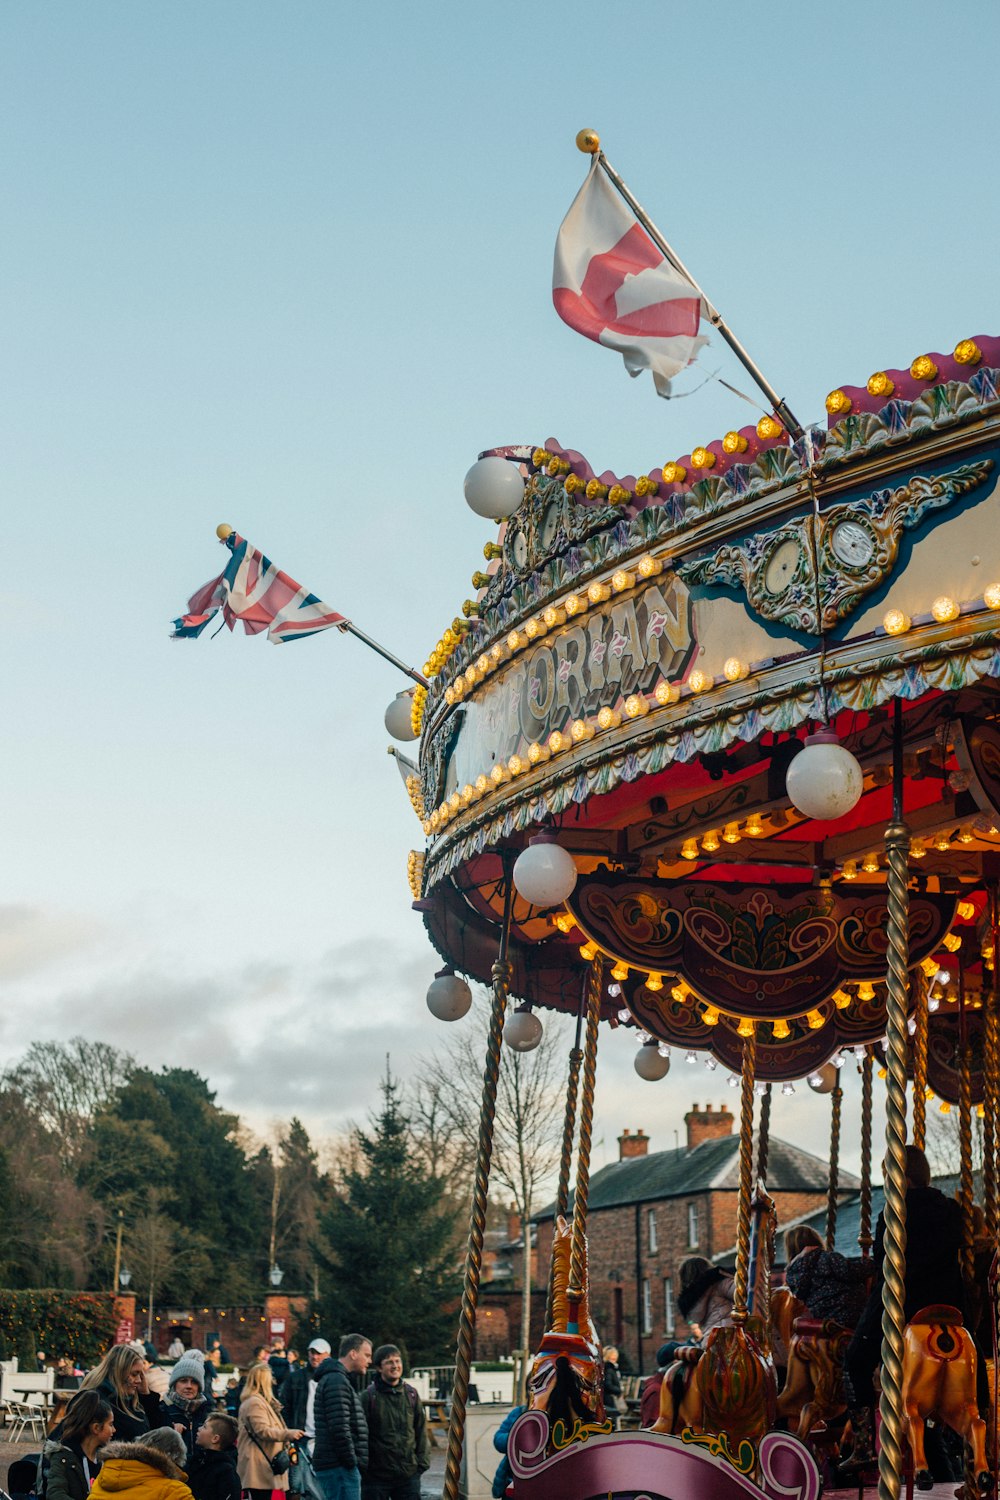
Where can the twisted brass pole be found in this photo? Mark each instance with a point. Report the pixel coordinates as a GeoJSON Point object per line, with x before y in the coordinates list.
{"type": "Point", "coordinates": [919, 989]}
{"type": "Point", "coordinates": [746, 1181]}
{"type": "Point", "coordinates": [569, 1129]}
{"type": "Point", "coordinates": [764, 1136]}
{"type": "Point", "coordinates": [897, 843]}
{"type": "Point", "coordinates": [502, 975]}
{"type": "Point", "coordinates": [865, 1237]}
{"type": "Point", "coordinates": [965, 1134]}
{"type": "Point", "coordinates": [833, 1187]}
{"type": "Point", "coordinates": [991, 1082]}
{"type": "Point", "coordinates": [581, 1194]}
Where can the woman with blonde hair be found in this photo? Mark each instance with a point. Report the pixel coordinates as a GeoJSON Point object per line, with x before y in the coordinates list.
{"type": "Point", "coordinates": [121, 1379]}
{"type": "Point", "coordinates": [262, 1434]}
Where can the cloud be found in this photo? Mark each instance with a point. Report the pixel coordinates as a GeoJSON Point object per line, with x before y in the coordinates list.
{"type": "Point", "coordinates": [32, 938]}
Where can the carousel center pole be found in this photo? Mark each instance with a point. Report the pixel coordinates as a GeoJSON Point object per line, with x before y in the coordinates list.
{"type": "Point", "coordinates": [865, 1237]}
{"type": "Point", "coordinates": [746, 1181]}
{"type": "Point", "coordinates": [919, 987]}
{"type": "Point", "coordinates": [764, 1136]}
{"type": "Point", "coordinates": [897, 843]}
{"type": "Point", "coordinates": [991, 1082]}
{"type": "Point", "coordinates": [569, 1130]}
{"type": "Point", "coordinates": [582, 1192]}
{"type": "Point", "coordinates": [833, 1187]}
{"type": "Point", "coordinates": [502, 975]}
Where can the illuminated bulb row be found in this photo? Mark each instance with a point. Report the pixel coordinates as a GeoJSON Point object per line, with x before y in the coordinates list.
{"type": "Point", "coordinates": [415, 873]}
{"type": "Point", "coordinates": [415, 795]}
{"type": "Point", "coordinates": [944, 610]}
{"type": "Point", "coordinates": [966, 352]}
{"type": "Point", "coordinates": [702, 459]}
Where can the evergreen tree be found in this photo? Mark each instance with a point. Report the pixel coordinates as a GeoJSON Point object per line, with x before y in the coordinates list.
{"type": "Point", "coordinates": [390, 1269]}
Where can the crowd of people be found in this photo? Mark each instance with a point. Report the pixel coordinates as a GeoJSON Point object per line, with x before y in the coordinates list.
{"type": "Point", "coordinates": [344, 1428]}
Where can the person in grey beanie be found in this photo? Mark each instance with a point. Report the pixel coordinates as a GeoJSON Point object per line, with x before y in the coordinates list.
{"type": "Point", "coordinates": [187, 1403]}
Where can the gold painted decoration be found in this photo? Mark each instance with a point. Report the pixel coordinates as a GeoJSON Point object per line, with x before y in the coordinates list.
{"type": "Point", "coordinates": [857, 546]}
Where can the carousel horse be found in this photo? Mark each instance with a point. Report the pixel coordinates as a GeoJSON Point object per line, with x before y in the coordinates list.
{"type": "Point", "coordinates": [939, 1381]}
{"type": "Point", "coordinates": [567, 1374]}
{"type": "Point", "coordinates": [813, 1392]}
{"type": "Point", "coordinates": [730, 1387]}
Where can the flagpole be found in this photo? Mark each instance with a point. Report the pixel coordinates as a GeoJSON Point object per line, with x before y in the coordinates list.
{"type": "Point", "coordinates": [589, 142]}
{"type": "Point", "coordinates": [226, 534]}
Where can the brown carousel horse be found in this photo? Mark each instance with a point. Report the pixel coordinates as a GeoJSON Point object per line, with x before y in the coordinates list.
{"type": "Point", "coordinates": [567, 1374]}
{"type": "Point", "coordinates": [731, 1387]}
{"type": "Point", "coordinates": [813, 1392]}
{"type": "Point", "coordinates": [939, 1381]}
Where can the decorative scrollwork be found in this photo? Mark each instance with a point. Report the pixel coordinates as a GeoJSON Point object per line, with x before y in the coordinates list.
{"type": "Point", "coordinates": [744, 1459]}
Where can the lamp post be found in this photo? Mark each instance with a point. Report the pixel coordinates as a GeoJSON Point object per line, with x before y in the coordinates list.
{"type": "Point", "coordinates": [276, 1275]}
{"type": "Point", "coordinates": [124, 1278]}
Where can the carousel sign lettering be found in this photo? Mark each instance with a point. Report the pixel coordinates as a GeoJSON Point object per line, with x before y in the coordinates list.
{"type": "Point", "coordinates": [617, 649]}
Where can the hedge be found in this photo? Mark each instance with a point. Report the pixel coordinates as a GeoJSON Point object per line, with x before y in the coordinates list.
{"type": "Point", "coordinates": [81, 1324]}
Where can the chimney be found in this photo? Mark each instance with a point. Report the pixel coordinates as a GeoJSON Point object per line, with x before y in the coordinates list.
{"type": "Point", "coordinates": [513, 1224]}
{"type": "Point", "coordinates": [707, 1124]}
{"type": "Point", "coordinates": [632, 1145]}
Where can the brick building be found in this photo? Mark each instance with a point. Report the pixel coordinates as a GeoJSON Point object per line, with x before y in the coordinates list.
{"type": "Point", "coordinates": [648, 1212]}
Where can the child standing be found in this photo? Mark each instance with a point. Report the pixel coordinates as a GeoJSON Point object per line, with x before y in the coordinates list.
{"type": "Point", "coordinates": [212, 1474]}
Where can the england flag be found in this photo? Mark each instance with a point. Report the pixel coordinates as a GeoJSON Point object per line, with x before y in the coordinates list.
{"type": "Point", "coordinates": [612, 284]}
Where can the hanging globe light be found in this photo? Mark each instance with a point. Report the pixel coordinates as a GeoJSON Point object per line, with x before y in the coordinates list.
{"type": "Point", "coordinates": [448, 997]}
{"type": "Point", "coordinates": [522, 1030]}
{"type": "Point", "coordinates": [494, 488]}
{"type": "Point", "coordinates": [650, 1063]}
{"type": "Point", "coordinates": [824, 1080]}
{"type": "Point", "coordinates": [824, 780]}
{"type": "Point", "coordinates": [398, 716]}
{"type": "Point", "coordinates": [544, 872]}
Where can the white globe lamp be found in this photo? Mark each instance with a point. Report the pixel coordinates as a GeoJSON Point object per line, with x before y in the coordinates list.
{"type": "Point", "coordinates": [544, 872]}
{"type": "Point", "coordinates": [650, 1063]}
{"type": "Point", "coordinates": [448, 998]}
{"type": "Point", "coordinates": [398, 720]}
{"type": "Point", "coordinates": [523, 1030]}
{"type": "Point", "coordinates": [824, 780]}
{"type": "Point", "coordinates": [494, 488]}
{"type": "Point", "coordinates": [824, 1080]}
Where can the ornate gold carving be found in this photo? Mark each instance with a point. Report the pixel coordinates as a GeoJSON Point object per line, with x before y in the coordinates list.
{"type": "Point", "coordinates": [857, 544]}
{"type": "Point", "coordinates": [547, 522]}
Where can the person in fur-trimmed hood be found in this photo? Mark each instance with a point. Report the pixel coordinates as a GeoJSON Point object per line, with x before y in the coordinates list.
{"type": "Point", "coordinates": [137, 1471]}
{"type": "Point", "coordinates": [187, 1403]}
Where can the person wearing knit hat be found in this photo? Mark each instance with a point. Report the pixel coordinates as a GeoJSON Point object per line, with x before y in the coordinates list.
{"type": "Point", "coordinates": [188, 1403]}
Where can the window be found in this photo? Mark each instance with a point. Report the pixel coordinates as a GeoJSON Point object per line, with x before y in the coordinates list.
{"type": "Point", "coordinates": [692, 1226]}
{"type": "Point", "coordinates": [668, 1305]}
{"type": "Point", "coordinates": [647, 1306]}
{"type": "Point", "coordinates": [651, 1229]}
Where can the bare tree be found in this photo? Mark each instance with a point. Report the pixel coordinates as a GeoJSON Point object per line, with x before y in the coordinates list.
{"type": "Point", "coordinates": [526, 1144]}
{"type": "Point", "coordinates": [65, 1084]}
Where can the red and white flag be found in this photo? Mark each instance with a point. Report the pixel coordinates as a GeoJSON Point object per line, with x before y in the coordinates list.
{"type": "Point", "coordinates": [611, 283]}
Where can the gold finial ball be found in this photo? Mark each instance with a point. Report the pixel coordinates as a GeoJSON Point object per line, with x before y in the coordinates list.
{"type": "Point", "coordinates": [968, 352]}
{"type": "Point", "coordinates": [923, 368]}
{"type": "Point", "coordinates": [734, 442]}
{"type": "Point", "coordinates": [880, 384]}
{"type": "Point", "coordinates": [223, 532]}
{"type": "Point", "coordinates": [769, 428]}
{"type": "Point", "coordinates": [702, 458]}
{"type": "Point", "coordinates": [838, 403]}
{"type": "Point", "coordinates": [674, 473]}
{"type": "Point", "coordinates": [589, 142]}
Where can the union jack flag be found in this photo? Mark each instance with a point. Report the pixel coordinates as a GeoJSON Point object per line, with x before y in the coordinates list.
{"type": "Point", "coordinates": [253, 590]}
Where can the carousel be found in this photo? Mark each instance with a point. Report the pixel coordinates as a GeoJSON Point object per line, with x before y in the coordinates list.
{"type": "Point", "coordinates": [713, 755]}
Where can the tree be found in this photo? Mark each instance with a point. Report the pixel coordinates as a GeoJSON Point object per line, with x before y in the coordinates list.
{"type": "Point", "coordinates": [389, 1271]}
{"type": "Point", "coordinates": [51, 1227]}
{"type": "Point", "coordinates": [290, 1192]}
{"type": "Point", "coordinates": [527, 1132]}
{"type": "Point", "coordinates": [65, 1084]}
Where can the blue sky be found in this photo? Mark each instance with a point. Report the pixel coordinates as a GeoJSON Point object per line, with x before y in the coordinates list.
{"type": "Point", "coordinates": [288, 266]}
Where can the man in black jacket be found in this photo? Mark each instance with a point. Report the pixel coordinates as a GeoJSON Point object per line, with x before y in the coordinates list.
{"type": "Point", "coordinates": [341, 1449]}
{"type": "Point", "coordinates": [298, 1398]}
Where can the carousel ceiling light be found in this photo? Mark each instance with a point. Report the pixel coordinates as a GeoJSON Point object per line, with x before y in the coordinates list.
{"type": "Point", "coordinates": [448, 997]}
{"type": "Point", "coordinates": [866, 990]}
{"type": "Point", "coordinates": [942, 843]}
{"type": "Point", "coordinates": [538, 754]}
{"type": "Point", "coordinates": [870, 864]}
{"type": "Point", "coordinates": [691, 1057]}
{"type": "Point", "coordinates": [576, 604]}
{"type": "Point", "coordinates": [624, 1015]}
{"type": "Point", "coordinates": [544, 872]}
{"type": "Point", "coordinates": [850, 869]}
{"type": "Point", "coordinates": [614, 990]}
{"type": "Point", "coordinates": [598, 593]}
{"type": "Point", "coordinates": [494, 488]}
{"type": "Point", "coordinates": [710, 1015]}
{"type": "Point", "coordinates": [731, 833]}
{"type": "Point", "coordinates": [894, 622]}
{"type": "Point", "coordinates": [745, 1028]}
{"type": "Point", "coordinates": [841, 999]}
{"type": "Point", "coordinates": [689, 849]}
{"type": "Point", "coordinates": [564, 921]}
{"type": "Point", "coordinates": [699, 681]}
{"type": "Point", "coordinates": [665, 693]}
{"type": "Point", "coordinates": [787, 1088]}
{"type": "Point", "coordinates": [966, 910]}
{"type": "Point", "coordinates": [814, 1020]}
{"type": "Point", "coordinates": [620, 971]}
{"type": "Point", "coordinates": [711, 1064]}
{"type": "Point", "coordinates": [824, 780]}
{"type": "Point", "coordinates": [558, 741]}
{"type": "Point", "coordinates": [760, 1088]}
{"type": "Point", "coordinates": [608, 718]}
{"type": "Point", "coordinates": [622, 580]}
{"type": "Point", "coordinates": [918, 851]}
{"type": "Point", "coordinates": [733, 1080]}
{"type": "Point", "coordinates": [929, 966]}
{"type": "Point", "coordinates": [649, 567]}
{"type": "Point", "coordinates": [589, 951]}
{"type": "Point", "coordinates": [934, 1004]}
{"type": "Point", "coordinates": [581, 731]}
{"type": "Point", "coordinates": [650, 1063]}
{"type": "Point", "coordinates": [945, 1107]}
{"type": "Point", "coordinates": [944, 609]}
{"type": "Point", "coordinates": [399, 716]}
{"type": "Point", "coordinates": [654, 982]}
{"type": "Point", "coordinates": [710, 841]}
{"type": "Point", "coordinates": [965, 834]}
{"type": "Point", "coordinates": [991, 596]}
{"type": "Point", "coordinates": [637, 705]}
{"type": "Point", "coordinates": [824, 1080]}
{"type": "Point", "coordinates": [952, 941]}
{"type": "Point", "coordinates": [523, 1030]}
{"type": "Point", "coordinates": [735, 670]}
{"type": "Point", "coordinates": [780, 1029]}
{"type": "Point", "coordinates": [753, 827]}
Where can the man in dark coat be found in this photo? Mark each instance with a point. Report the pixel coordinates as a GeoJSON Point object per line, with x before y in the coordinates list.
{"type": "Point", "coordinates": [298, 1398]}
{"type": "Point", "coordinates": [933, 1274]}
{"type": "Point", "coordinates": [398, 1445]}
{"type": "Point", "coordinates": [341, 1449]}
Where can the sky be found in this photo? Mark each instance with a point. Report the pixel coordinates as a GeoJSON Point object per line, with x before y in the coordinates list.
{"type": "Point", "coordinates": [289, 267]}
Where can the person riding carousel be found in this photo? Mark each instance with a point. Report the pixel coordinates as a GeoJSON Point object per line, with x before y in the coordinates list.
{"type": "Point", "coordinates": [832, 1287]}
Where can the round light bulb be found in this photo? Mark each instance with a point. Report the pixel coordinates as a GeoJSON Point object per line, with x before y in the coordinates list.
{"type": "Point", "coordinates": [650, 1063]}
{"type": "Point", "coordinates": [824, 780]}
{"type": "Point", "coordinates": [399, 716]}
{"type": "Point", "coordinates": [824, 1080]}
{"type": "Point", "coordinates": [544, 872]}
{"type": "Point", "coordinates": [522, 1030]}
{"type": "Point", "coordinates": [944, 610]}
{"type": "Point", "coordinates": [494, 488]}
{"type": "Point", "coordinates": [448, 997]}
